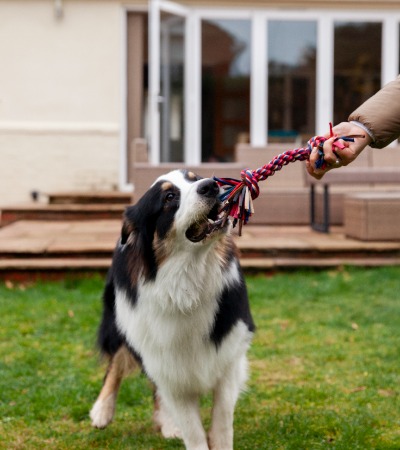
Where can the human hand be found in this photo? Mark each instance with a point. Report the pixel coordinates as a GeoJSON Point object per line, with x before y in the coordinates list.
{"type": "Point", "coordinates": [335, 157]}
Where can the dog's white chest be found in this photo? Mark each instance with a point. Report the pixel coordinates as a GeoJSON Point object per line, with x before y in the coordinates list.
{"type": "Point", "coordinates": [170, 325]}
{"type": "Point", "coordinates": [170, 345]}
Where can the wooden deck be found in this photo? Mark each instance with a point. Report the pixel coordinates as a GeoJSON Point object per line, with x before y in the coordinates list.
{"type": "Point", "coordinates": [53, 248]}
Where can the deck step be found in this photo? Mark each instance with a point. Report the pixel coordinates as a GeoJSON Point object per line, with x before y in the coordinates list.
{"type": "Point", "coordinates": [54, 264]}
{"type": "Point", "coordinates": [85, 198]}
{"type": "Point", "coordinates": [28, 268]}
{"type": "Point", "coordinates": [67, 206]}
{"type": "Point", "coordinates": [66, 247]}
{"type": "Point", "coordinates": [60, 212]}
{"type": "Point", "coordinates": [260, 264]}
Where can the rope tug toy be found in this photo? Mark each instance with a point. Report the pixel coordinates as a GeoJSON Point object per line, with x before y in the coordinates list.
{"type": "Point", "coordinates": [239, 194]}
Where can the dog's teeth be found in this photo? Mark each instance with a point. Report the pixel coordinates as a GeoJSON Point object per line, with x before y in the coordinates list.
{"type": "Point", "coordinates": [211, 221]}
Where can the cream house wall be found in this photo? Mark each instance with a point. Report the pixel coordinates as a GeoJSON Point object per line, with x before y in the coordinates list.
{"type": "Point", "coordinates": [60, 96]}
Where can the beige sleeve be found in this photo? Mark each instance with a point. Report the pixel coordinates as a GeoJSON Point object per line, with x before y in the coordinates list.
{"type": "Point", "coordinates": [381, 114]}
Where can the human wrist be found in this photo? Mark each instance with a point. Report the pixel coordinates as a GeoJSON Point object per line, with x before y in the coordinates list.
{"type": "Point", "coordinates": [370, 136]}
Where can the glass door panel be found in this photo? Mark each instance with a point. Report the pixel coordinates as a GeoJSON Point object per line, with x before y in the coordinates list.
{"type": "Point", "coordinates": [225, 98]}
{"type": "Point", "coordinates": [357, 65]}
{"type": "Point", "coordinates": [172, 88]}
{"type": "Point", "coordinates": [291, 79]}
{"type": "Point", "coordinates": [167, 26]}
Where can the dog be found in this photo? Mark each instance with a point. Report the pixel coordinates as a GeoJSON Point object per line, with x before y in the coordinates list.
{"type": "Point", "coordinates": [175, 304]}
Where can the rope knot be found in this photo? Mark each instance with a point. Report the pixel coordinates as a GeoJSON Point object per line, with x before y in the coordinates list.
{"type": "Point", "coordinates": [250, 180]}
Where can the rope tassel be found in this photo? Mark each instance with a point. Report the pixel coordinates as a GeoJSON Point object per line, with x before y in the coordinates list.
{"type": "Point", "coordinates": [238, 195]}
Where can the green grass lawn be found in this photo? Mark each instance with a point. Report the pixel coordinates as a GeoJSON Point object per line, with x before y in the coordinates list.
{"type": "Point", "coordinates": [325, 367]}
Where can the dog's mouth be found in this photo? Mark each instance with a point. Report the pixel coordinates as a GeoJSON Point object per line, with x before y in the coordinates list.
{"type": "Point", "coordinates": [208, 225]}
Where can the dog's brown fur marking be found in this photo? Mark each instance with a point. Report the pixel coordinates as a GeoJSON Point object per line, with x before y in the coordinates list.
{"type": "Point", "coordinates": [121, 365]}
{"type": "Point", "coordinates": [163, 247]}
{"type": "Point", "coordinates": [166, 186]}
{"type": "Point", "coordinates": [225, 249]}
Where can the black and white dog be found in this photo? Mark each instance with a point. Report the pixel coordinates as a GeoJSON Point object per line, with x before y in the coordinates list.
{"type": "Point", "coordinates": [176, 304]}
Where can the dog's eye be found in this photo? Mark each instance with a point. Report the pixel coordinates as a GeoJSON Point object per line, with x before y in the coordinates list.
{"type": "Point", "coordinates": [170, 196]}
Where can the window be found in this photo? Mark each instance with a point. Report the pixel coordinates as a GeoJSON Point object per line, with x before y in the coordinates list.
{"type": "Point", "coordinates": [291, 79]}
{"type": "Point", "coordinates": [357, 65]}
{"type": "Point", "coordinates": [225, 98]}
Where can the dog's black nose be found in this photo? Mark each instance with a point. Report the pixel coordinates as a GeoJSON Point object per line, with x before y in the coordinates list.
{"type": "Point", "coordinates": [208, 188]}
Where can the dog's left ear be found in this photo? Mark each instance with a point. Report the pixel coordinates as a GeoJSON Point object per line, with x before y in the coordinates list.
{"type": "Point", "coordinates": [125, 232]}
{"type": "Point", "coordinates": [141, 217]}
{"type": "Point", "coordinates": [127, 228]}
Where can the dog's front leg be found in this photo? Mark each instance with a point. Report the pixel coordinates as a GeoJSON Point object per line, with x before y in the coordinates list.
{"type": "Point", "coordinates": [221, 433]}
{"type": "Point", "coordinates": [121, 364]}
{"type": "Point", "coordinates": [226, 394]}
{"type": "Point", "coordinates": [186, 414]}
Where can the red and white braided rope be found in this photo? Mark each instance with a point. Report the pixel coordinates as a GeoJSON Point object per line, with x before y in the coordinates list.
{"type": "Point", "coordinates": [239, 194]}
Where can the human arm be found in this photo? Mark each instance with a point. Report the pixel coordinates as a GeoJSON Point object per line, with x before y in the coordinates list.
{"type": "Point", "coordinates": [380, 114]}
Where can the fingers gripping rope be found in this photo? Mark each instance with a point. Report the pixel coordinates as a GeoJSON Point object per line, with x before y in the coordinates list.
{"type": "Point", "coordinates": [238, 195]}
{"type": "Point", "coordinates": [336, 145]}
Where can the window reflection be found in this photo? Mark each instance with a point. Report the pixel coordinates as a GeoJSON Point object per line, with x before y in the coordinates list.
{"type": "Point", "coordinates": [357, 65]}
{"type": "Point", "coordinates": [225, 87]}
{"type": "Point", "coordinates": [291, 79]}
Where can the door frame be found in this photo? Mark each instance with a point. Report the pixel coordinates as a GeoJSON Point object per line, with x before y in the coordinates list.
{"type": "Point", "coordinates": [156, 7]}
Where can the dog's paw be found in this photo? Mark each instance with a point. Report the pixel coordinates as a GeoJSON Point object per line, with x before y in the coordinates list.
{"type": "Point", "coordinates": [102, 412]}
{"type": "Point", "coordinates": [218, 442]}
{"type": "Point", "coordinates": [171, 432]}
{"type": "Point", "coordinates": [166, 425]}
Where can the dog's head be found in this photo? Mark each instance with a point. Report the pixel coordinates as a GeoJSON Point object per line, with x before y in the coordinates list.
{"type": "Point", "coordinates": [180, 208]}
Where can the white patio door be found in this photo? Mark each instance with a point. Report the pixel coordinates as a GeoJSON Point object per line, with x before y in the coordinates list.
{"type": "Point", "coordinates": [168, 82]}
